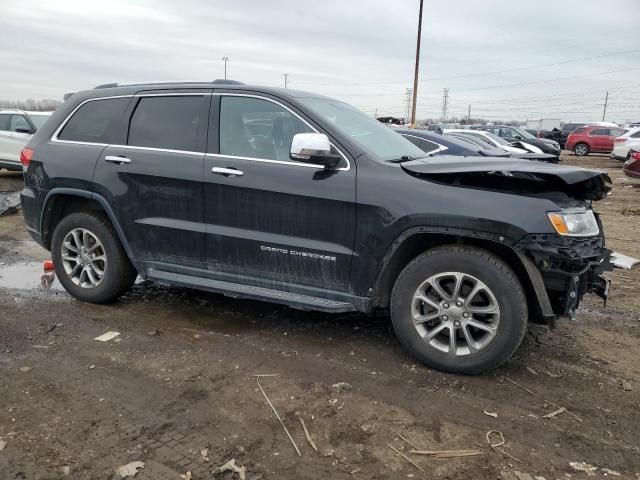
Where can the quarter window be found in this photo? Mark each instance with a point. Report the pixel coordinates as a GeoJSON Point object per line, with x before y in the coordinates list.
{"type": "Point", "coordinates": [256, 128]}
{"type": "Point", "coordinates": [167, 122]}
{"type": "Point", "coordinates": [4, 122]}
{"type": "Point", "coordinates": [600, 131]}
{"type": "Point", "coordinates": [19, 121]}
{"type": "Point", "coordinates": [96, 121]}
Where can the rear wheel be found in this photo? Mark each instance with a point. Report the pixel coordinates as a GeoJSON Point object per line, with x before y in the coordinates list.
{"type": "Point", "coordinates": [581, 149]}
{"type": "Point", "coordinates": [89, 260]}
{"type": "Point", "coordinates": [459, 309]}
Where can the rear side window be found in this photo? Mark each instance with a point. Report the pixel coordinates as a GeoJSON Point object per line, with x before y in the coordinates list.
{"type": "Point", "coordinates": [633, 135]}
{"type": "Point", "coordinates": [167, 122]}
{"type": "Point", "coordinates": [4, 121]}
{"type": "Point", "coordinates": [599, 131]}
{"type": "Point", "coordinates": [96, 121]}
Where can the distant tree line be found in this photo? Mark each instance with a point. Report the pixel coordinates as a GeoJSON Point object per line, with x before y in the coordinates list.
{"type": "Point", "coordinates": [42, 105]}
{"type": "Point", "coordinates": [467, 121]}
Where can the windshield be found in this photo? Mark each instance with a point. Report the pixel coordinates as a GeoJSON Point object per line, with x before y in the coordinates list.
{"type": "Point", "coordinates": [523, 133]}
{"type": "Point", "coordinates": [38, 120]}
{"type": "Point", "coordinates": [496, 138]}
{"type": "Point", "coordinates": [365, 131]}
{"type": "Point", "coordinates": [476, 140]}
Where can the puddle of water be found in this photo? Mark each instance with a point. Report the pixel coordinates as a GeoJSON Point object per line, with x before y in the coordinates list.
{"type": "Point", "coordinates": [25, 276]}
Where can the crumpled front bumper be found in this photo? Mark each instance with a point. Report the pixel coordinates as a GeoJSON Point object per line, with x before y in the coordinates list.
{"type": "Point", "coordinates": [570, 267]}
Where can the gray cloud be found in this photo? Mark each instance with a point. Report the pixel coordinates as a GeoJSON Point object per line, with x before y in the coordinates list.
{"type": "Point", "coordinates": [359, 51]}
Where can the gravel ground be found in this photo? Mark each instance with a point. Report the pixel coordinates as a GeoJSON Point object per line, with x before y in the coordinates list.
{"type": "Point", "coordinates": [179, 379]}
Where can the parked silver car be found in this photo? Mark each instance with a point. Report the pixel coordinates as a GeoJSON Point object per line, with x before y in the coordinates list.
{"type": "Point", "coordinates": [16, 128]}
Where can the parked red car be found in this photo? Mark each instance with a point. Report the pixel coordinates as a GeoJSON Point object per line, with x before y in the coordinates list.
{"type": "Point", "coordinates": [592, 139]}
{"type": "Point", "coordinates": [632, 166]}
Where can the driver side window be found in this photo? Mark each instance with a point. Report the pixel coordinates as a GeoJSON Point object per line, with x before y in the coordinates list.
{"type": "Point", "coordinates": [506, 133]}
{"type": "Point", "coordinates": [257, 128]}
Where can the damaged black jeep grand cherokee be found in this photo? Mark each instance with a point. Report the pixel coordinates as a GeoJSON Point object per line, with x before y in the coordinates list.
{"type": "Point", "coordinates": [299, 199]}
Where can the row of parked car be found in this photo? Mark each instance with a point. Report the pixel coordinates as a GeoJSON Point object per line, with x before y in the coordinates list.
{"type": "Point", "coordinates": [503, 140]}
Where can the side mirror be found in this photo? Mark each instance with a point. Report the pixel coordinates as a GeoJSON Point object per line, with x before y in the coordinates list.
{"type": "Point", "coordinates": [313, 148]}
{"type": "Point", "coordinates": [20, 129]}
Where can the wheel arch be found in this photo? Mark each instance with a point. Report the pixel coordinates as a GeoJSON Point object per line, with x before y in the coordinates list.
{"type": "Point", "coordinates": [416, 241]}
{"type": "Point", "coordinates": [60, 202]}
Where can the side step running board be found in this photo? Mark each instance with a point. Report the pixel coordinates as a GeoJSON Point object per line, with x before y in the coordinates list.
{"type": "Point", "coordinates": [236, 290]}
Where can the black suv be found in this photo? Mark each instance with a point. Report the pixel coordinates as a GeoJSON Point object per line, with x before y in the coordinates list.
{"type": "Point", "coordinates": [299, 199]}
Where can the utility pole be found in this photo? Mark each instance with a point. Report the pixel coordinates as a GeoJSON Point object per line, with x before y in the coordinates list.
{"type": "Point", "coordinates": [417, 68]}
{"type": "Point", "coordinates": [606, 100]}
{"type": "Point", "coordinates": [469, 115]}
{"type": "Point", "coordinates": [445, 103]}
{"type": "Point", "coordinates": [225, 60]}
{"type": "Point", "coordinates": [409, 92]}
{"type": "Point", "coordinates": [285, 79]}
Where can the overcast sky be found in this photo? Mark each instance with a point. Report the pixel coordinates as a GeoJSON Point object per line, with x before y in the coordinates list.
{"type": "Point", "coordinates": [492, 54]}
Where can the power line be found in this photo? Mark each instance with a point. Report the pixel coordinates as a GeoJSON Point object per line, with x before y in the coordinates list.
{"type": "Point", "coordinates": [549, 80]}
{"type": "Point", "coordinates": [517, 69]}
{"type": "Point", "coordinates": [493, 72]}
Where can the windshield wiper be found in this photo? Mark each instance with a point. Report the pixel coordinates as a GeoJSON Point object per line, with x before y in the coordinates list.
{"type": "Point", "coordinates": [405, 158]}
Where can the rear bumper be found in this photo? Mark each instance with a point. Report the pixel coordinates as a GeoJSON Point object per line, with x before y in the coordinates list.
{"type": "Point", "coordinates": [31, 209]}
{"type": "Point", "coordinates": [9, 165]}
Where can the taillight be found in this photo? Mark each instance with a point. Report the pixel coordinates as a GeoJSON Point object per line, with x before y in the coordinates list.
{"type": "Point", "coordinates": [25, 156]}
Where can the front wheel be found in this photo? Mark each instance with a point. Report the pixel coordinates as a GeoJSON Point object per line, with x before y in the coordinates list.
{"type": "Point", "coordinates": [459, 309]}
{"type": "Point", "coordinates": [89, 260]}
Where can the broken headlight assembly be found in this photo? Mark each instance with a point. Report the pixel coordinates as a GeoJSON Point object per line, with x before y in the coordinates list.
{"type": "Point", "coordinates": [574, 223]}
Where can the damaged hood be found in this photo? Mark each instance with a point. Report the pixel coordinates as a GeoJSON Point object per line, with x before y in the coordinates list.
{"type": "Point", "coordinates": [512, 175]}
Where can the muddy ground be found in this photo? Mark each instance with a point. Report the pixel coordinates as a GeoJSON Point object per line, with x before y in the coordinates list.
{"type": "Point", "coordinates": [179, 379]}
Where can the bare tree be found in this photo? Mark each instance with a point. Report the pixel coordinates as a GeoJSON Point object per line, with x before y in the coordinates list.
{"type": "Point", "coordinates": [42, 105]}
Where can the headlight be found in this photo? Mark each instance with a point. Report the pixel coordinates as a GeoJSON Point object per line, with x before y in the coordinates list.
{"type": "Point", "coordinates": [581, 223]}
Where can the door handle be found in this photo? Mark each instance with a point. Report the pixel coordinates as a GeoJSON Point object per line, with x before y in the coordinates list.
{"type": "Point", "coordinates": [116, 159]}
{"type": "Point", "coordinates": [227, 172]}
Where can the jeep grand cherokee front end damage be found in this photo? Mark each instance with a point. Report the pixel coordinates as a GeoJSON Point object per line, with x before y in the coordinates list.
{"type": "Point", "coordinates": [570, 267]}
{"type": "Point", "coordinates": [563, 265]}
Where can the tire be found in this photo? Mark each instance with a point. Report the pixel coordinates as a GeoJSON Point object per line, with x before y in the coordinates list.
{"type": "Point", "coordinates": [118, 272]}
{"type": "Point", "coordinates": [581, 149]}
{"type": "Point", "coordinates": [502, 332]}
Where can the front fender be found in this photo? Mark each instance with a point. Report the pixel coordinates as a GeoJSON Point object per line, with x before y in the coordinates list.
{"type": "Point", "coordinates": [416, 240]}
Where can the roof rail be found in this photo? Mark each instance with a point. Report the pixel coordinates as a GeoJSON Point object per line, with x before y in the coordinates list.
{"type": "Point", "coordinates": [218, 81]}
{"type": "Point", "coordinates": [224, 81]}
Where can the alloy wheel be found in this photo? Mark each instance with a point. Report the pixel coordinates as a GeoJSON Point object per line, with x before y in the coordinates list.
{"type": "Point", "coordinates": [455, 313]}
{"type": "Point", "coordinates": [84, 258]}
